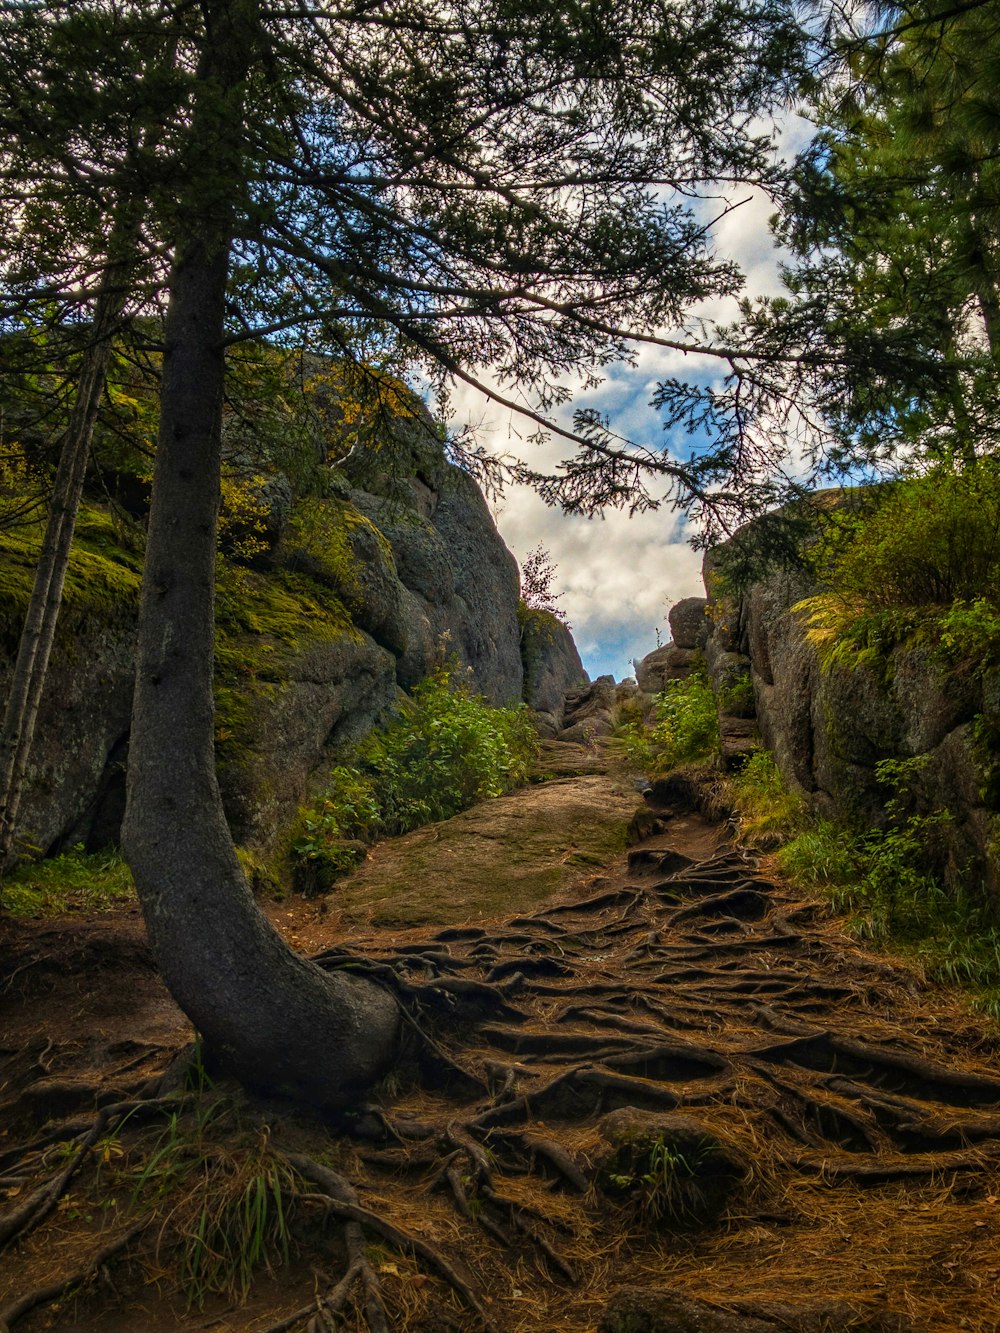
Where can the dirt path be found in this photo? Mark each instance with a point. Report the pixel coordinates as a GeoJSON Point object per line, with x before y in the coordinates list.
{"type": "Point", "coordinates": [681, 1081]}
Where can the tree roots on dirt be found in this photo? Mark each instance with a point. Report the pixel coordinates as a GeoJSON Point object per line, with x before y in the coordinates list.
{"type": "Point", "coordinates": [688, 1050]}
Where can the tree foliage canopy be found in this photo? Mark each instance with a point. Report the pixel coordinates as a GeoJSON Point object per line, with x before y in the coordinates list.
{"type": "Point", "coordinates": [884, 350]}
{"type": "Point", "coordinates": [476, 190]}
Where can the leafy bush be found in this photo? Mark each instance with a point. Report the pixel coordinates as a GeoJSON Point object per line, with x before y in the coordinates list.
{"type": "Point", "coordinates": [925, 541]}
{"type": "Point", "coordinates": [446, 749]}
{"type": "Point", "coordinates": [685, 726]}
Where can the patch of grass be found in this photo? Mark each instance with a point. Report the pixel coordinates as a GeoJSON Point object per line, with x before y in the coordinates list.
{"type": "Point", "coordinates": [769, 812]}
{"type": "Point", "coordinates": [73, 882]}
{"type": "Point", "coordinates": [220, 1192]}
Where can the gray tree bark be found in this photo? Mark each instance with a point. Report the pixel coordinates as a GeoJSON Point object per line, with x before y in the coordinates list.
{"type": "Point", "coordinates": [38, 634]}
{"type": "Point", "coordinates": [267, 1015]}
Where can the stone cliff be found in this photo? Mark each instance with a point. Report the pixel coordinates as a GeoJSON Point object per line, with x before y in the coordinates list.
{"type": "Point", "coordinates": [830, 724]}
{"type": "Point", "coordinates": [355, 592]}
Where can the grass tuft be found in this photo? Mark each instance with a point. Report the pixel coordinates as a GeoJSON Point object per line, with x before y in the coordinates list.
{"type": "Point", "coordinates": [73, 882]}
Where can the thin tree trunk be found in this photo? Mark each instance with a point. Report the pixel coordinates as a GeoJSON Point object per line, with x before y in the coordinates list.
{"type": "Point", "coordinates": [267, 1015]}
{"type": "Point", "coordinates": [38, 634]}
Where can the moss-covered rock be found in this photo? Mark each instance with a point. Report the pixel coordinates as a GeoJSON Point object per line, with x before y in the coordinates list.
{"type": "Point", "coordinates": [75, 777]}
{"type": "Point", "coordinates": [508, 855]}
{"type": "Point", "coordinates": [551, 662]}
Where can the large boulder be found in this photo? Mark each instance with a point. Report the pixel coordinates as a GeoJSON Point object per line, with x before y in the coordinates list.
{"type": "Point", "coordinates": [663, 664]}
{"type": "Point", "coordinates": [588, 711]}
{"type": "Point", "coordinates": [551, 663]}
{"type": "Point", "coordinates": [75, 780]}
{"type": "Point", "coordinates": [462, 581]}
{"type": "Point", "coordinates": [689, 624]}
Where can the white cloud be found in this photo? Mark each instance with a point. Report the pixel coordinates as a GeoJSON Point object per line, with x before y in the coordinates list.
{"type": "Point", "coordinates": [618, 575]}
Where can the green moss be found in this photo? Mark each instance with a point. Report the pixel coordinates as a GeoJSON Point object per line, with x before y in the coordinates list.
{"type": "Point", "coordinates": [262, 623]}
{"type": "Point", "coordinates": [503, 856]}
{"type": "Point", "coordinates": [324, 535]}
{"type": "Point", "coordinates": [102, 578]}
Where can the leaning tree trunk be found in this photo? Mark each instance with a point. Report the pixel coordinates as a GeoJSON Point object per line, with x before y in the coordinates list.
{"type": "Point", "coordinates": [267, 1015]}
{"type": "Point", "coordinates": [38, 633]}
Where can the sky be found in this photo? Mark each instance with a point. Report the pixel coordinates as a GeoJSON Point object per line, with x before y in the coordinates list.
{"type": "Point", "coordinates": [616, 576]}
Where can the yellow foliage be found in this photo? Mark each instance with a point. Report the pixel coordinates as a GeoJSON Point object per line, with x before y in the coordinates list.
{"type": "Point", "coordinates": [243, 516]}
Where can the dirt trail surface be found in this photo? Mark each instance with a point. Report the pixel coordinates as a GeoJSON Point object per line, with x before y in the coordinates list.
{"type": "Point", "coordinates": [670, 1097]}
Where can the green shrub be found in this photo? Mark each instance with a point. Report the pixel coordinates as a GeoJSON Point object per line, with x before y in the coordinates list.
{"type": "Point", "coordinates": [685, 726]}
{"type": "Point", "coordinates": [925, 541]}
{"type": "Point", "coordinates": [445, 750]}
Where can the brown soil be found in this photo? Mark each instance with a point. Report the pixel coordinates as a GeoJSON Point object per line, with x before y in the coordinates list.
{"type": "Point", "coordinates": [827, 1124]}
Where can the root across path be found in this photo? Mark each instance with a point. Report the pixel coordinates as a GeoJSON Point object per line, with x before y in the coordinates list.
{"type": "Point", "coordinates": [676, 1092]}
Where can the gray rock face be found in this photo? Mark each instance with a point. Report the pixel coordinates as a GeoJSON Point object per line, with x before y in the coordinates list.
{"type": "Point", "coordinates": [483, 616]}
{"type": "Point", "coordinates": [551, 664]}
{"type": "Point", "coordinates": [689, 624]}
{"type": "Point", "coordinates": [670, 662]}
{"type": "Point", "coordinates": [459, 584]}
{"type": "Point", "coordinates": [421, 574]}
{"type": "Point", "coordinates": [829, 727]}
{"type": "Point", "coordinates": [333, 693]}
{"type": "Point", "coordinates": [76, 780]}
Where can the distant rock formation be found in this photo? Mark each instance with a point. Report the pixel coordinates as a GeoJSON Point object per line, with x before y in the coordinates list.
{"type": "Point", "coordinates": [552, 668]}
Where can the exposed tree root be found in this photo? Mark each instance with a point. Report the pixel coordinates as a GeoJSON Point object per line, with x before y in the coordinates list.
{"type": "Point", "coordinates": [693, 1001]}
{"type": "Point", "coordinates": [31, 1211]}
{"type": "Point", "coordinates": [15, 1310]}
{"type": "Point", "coordinates": [340, 1199]}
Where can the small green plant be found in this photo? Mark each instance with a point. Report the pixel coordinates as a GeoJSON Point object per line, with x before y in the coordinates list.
{"type": "Point", "coordinates": [887, 880]}
{"type": "Point", "coordinates": [918, 559]}
{"type": "Point", "coordinates": [221, 1193]}
{"type": "Point", "coordinates": [924, 541]}
{"type": "Point", "coordinates": [769, 813]}
{"type": "Point", "coordinates": [657, 1181]}
{"type": "Point", "coordinates": [672, 1181]}
{"type": "Point", "coordinates": [445, 750]}
{"type": "Point", "coordinates": [685, 726]}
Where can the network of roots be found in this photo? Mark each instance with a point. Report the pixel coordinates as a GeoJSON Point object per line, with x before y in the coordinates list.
{"type": "Point", "coordinates": [688, 1078]}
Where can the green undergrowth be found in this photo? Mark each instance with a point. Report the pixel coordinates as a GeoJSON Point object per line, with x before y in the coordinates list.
{"type": "Point", "coordinates": [883, 880]}
{"type": "Point", "coordinates": [446, 749]}
{"type": "Point", "coordinates": [72, 882]}
{"type": "Point", "coordinates": [914, 563]}
{"type": "Point", "coordinates": [683, 727]}
{"type": "Point", "coordinates": [223, 1196]}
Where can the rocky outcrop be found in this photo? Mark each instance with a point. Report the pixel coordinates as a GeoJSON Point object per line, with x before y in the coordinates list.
{"type": "Point", "coordinates": [588, 712]}
{"type": "Point", "coordinates": [830, 725]}
{"type": "Point", "coordinates": [689, 622]}
{"type": "Point", "coordinates": [552, 668]}
{"type": "Point", "coordinates": [361, 590]}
